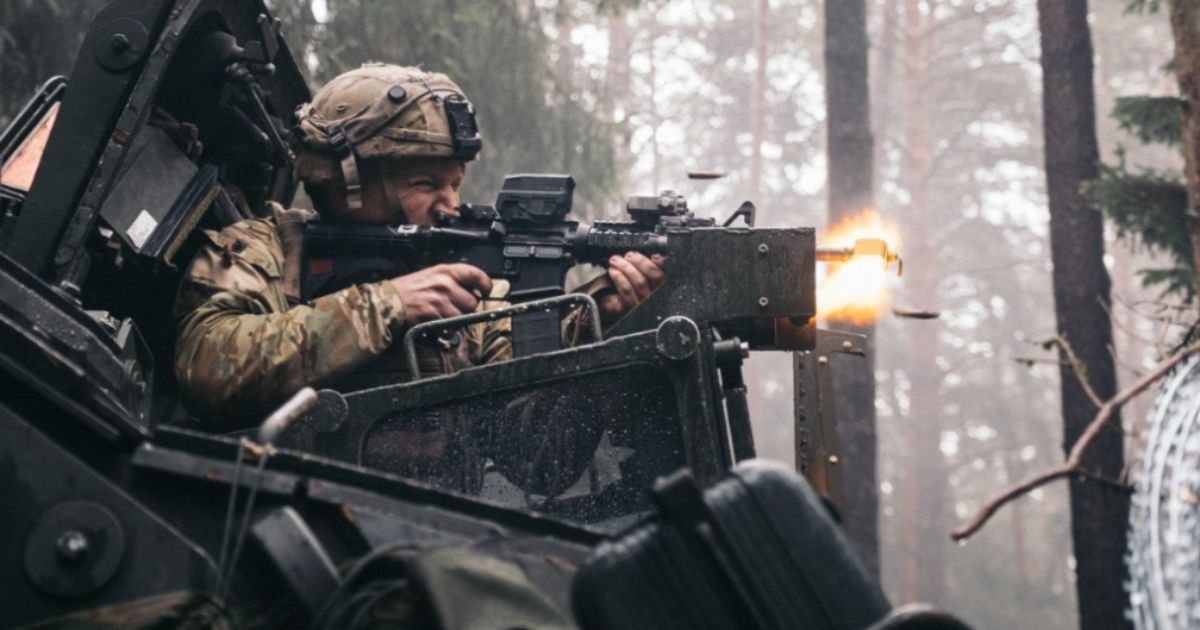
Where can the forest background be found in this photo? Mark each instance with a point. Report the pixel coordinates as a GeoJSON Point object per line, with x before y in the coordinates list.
{"type": "Point", "coordinates": [629, 96]}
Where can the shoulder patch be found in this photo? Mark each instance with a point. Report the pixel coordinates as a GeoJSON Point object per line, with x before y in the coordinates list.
{"type": "Point", "coordinates": [253, 241]}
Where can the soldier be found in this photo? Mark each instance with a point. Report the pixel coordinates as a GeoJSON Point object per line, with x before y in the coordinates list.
{"type": "Point", "coordinates": [384, 145]}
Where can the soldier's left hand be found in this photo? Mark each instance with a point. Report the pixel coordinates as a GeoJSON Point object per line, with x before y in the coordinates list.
{"type": "Point", "coordinates": [634, 276]}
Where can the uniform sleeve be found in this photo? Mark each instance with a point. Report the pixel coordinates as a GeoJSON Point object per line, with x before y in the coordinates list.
{"type": "Point", "coordinates": [577, 329]}
{"type": "Point", "coordinates": [241, 351]}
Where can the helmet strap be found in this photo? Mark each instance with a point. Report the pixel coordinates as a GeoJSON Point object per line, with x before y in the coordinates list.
{"type": "Point", "coordinates": [349, 163]}
{"type": "Point", "coordinates": [353, 183]}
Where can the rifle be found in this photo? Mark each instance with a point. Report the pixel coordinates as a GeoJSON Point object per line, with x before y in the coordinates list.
{"type": "Point", "coordinates": [524, 239]}
{"type": "Point", "coordinates": [757, 284]}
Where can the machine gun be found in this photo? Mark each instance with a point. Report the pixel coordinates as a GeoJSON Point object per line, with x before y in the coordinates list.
{"type": "Point", "coordinates": [118, 517]}
{"type": "Point", "coordinates": [770, 304]}
{"type": "Point", "coordinates": [526, 239]}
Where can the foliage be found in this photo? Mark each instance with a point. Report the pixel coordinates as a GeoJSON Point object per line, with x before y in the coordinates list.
{"type": "Point", "coordinates": [990, 420]}
{"type": "Point", "coordinates": [38, 39]}
{"type": "Point", "coordinates": [699, 86]}
{"type": "Point", "coordinates": [1147, 206]}
{"type": "Point", "coordinates": [537, 107]}
{"type": "Point", "coordinates": [1153, 119]}
{"type": "Point", "coordinates": [536, 110]}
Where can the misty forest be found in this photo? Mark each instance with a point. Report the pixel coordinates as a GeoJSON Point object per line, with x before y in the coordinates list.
{"type": "Point", "coordinates": [1034, 162]}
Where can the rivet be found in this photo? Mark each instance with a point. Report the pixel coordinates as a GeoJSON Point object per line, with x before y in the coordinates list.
{"type": "Point", "coordinates": [396, 94]}
{"type": "Point", "coordinates": [822, 360]}
{"type": "Point", "coordinates": [763, 301]}
{"type": "Point", "coordinates": [763, 248]}
{"type": "Point", "coordinates": [846, 345]}
{"type": "Point", "coordinates": [119, 42]}
{"type": "Point", "coordinates": [833, 459]}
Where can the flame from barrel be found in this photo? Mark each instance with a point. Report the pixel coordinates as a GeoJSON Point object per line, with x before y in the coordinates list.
{"type": "Point", "coordinates": [857, 290]}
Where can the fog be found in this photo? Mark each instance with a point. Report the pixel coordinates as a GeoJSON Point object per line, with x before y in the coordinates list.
{"type": "Point", "coordinates": [629, 97]}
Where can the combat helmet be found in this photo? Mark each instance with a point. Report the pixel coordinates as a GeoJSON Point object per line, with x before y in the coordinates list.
{"type": "Point", "coordinates": [381, 111]}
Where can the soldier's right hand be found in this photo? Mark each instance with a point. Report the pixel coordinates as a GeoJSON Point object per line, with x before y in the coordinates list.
{"type": "Point", "coordinates": [442, 291]}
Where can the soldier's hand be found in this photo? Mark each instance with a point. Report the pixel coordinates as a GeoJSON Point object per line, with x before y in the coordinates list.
{"type": "Point", "coordinates": [634, 276]}
{"type": "Point", "coordinates": [442, 291]}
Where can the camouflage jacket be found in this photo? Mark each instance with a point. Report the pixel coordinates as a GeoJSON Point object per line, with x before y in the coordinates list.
{"type": "Point", "coordinates": [242, 348]}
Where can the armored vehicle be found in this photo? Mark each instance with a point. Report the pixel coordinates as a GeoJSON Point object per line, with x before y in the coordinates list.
{"type": "Point", "coordinates": [121, 511]}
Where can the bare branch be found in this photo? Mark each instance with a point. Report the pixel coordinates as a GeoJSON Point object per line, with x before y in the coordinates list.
{"type": "Point", "coordinates": [1031, 361]}
{"type": "Point", "coordinates": [1077, 366]}
{"type": "Point", "coordinates": [1072, 466]}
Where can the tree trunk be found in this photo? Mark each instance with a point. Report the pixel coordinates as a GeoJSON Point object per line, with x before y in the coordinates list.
{"type": "Point", "coordinates": [616, 70]}
{"type": "Point", "coordinates": [1099, 514]}
{"type": "Point", "coordinates": [758, 114]}
{"type": "Point", "coordinates": [564, 81]}
{"type": "Point", "coordinates": [924, 576]}
{"type": "Point", "coordinates": [655, 117]}
{"type": "Point", "coordinates": [616, 95]}
{"type": "Point", "coordinates": [851, 175]}
{"type": "Point", "coordinates": [1185, 26]}
{"type": "Point", "coordinates": [883, 71]}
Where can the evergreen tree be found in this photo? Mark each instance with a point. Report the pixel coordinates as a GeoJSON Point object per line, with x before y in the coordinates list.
{"type": "Point", "coordinates": [1150, 206]}
{"type": "Point", "coordinates": [537, 107]}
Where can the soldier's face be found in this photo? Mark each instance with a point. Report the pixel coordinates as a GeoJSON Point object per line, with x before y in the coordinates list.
{"type": "Point", "coordinates": [412, 192]}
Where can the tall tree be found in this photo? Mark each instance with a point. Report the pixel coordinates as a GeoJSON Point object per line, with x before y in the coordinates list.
{"type": "Point", "coordinates": [883, 69]}
{"type": "Point", "coordinates": [924, 575]}
{"type": "Point", "coordinates": [758, 110]}
{"type": "Point", "coordinates": [1081, 296]}
{"type": "Point", "coordinates": [960, 169]}
{"type": "Point", "coordinates": [616, 92]}
{"type": "Point", "coordinates": [851, 174]}
{"type": "Point", "coordinates": [536, 105]}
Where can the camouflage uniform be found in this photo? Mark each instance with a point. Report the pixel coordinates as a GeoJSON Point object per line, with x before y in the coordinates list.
{"type": "Point", "coordinates": [244, 343]}
{"type": "Point", "coordinates": [242, 349]}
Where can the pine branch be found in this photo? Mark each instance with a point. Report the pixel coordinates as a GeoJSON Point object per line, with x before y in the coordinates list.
{"type": "Point", "coordinates": [1153, 119]}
